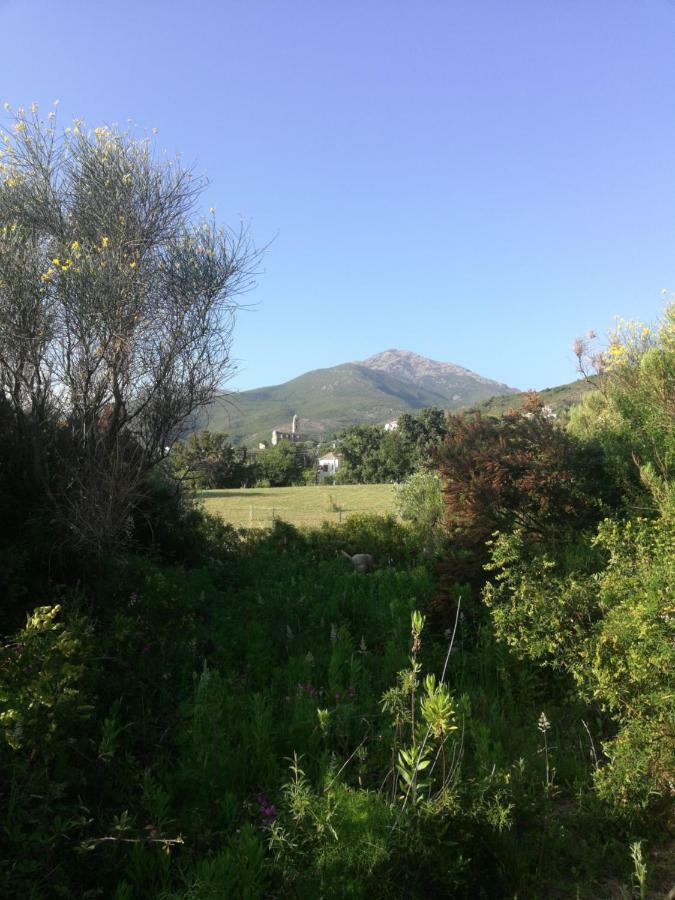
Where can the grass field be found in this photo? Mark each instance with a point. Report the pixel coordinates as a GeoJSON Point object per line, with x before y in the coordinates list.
{"type": "Point", "coordinates": [258, 507]}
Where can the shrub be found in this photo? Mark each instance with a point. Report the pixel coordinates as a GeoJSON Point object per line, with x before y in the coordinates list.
{"type": "Point", "coordinates": [419, 500]}
{"type": "Point", "coordinates": [612, 629]}
{"type": "Point", "coordinates": [520, 471]}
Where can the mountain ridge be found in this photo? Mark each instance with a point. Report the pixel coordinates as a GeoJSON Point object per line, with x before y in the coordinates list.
{"type": "Point", "coordinates": [371, 391]}
{"type": "Point", "coordinates": [410, 365]}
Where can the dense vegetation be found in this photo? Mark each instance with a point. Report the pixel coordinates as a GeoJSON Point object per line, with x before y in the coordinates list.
{"type": "Point", "coordinates": [192, 711]}
{"type": "Point", "coordinates": [372, 455]}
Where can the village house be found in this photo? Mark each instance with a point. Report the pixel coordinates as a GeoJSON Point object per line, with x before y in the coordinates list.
{"type": "Point", "coordinates": [328, 465]}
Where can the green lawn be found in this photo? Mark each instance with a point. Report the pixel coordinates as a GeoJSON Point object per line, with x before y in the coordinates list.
{"type": "Point", "coordinates": [258, 507]}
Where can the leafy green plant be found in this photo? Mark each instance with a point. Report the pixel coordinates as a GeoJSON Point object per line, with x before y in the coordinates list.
{"type": "Point", "coordinates": [419, 500]}
{"type": "Point", "coordinates": [639, 868]}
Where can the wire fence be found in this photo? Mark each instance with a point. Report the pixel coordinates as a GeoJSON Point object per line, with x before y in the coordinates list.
{"type": "Point", "coordinates": [265, 516]}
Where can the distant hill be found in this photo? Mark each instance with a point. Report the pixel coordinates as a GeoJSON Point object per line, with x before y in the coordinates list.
{"type": "Point", "coordinates": [561, 399]}
{"type": "Point", "coordinates": [372, 391]}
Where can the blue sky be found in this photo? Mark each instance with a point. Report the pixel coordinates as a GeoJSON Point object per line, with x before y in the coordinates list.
{"type": "Point", "coordinates": [475, 180]}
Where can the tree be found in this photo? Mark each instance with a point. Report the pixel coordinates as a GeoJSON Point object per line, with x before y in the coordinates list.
{"type": "Point", "coordinates": [208, 460]}
{"type": "Point", "coordinates": [281, 465]}
{"type": "Point", "coordinates": [424, 432]}
{"type": "Point", "coordinates": [116, 314]}
{"type": "Point", "coordinates": [521, 472]}
{"type": "Point", "coordinates": [373, 455]}
{"type": "Point", "coordinates": [359, 446]}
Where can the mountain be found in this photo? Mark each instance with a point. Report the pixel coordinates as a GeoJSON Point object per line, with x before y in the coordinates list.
{"type": "Point", "coordinates": [453, 382]}
{"type": "Point", "coordinates": [372, 391]}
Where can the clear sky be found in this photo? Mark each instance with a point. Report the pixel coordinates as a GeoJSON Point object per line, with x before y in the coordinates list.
{"type": "Point", "coordinates": [476, 180]}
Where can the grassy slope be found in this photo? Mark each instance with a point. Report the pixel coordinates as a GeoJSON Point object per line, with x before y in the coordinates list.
{"type": "Point", "coordinates": [561, 399]}
{"type": "Point", "coordinates": [298, 505]}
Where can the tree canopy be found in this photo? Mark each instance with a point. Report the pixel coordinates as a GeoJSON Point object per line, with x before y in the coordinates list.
{"type": "Point", "coordinates": [117, 307]}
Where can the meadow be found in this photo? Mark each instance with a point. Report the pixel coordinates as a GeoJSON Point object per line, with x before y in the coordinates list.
{"type": "Point", "coordinates": [301, 506]}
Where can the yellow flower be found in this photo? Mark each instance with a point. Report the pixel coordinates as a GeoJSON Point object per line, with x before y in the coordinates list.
{"type": "Point", "coordinates": [56, 262]}
{"type": "Point", "coordinates": [132, 265]}
{"type": "Point", "coordinates": [104, 242]}
{"type": "Point", "coordinates": [75, 246]}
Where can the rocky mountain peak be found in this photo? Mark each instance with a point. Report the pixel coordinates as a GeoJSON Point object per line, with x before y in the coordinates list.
{"type": "Point", "coordinates": [412, 367]}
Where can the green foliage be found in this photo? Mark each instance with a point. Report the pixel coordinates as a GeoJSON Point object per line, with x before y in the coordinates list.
{"type": "Point", "coordinates": [601, 607]}
{"type": "Point", "coordinates": [170, 524]}
{"type": "Point", "coordinates": [41, 671]}
{"type": "Point", "coordinates": [423, 432]}
{"type": "Point", "coordinates": [147, 722]}
{"type": "Point", "coordinates": [164, 758]}
{"type": "Point", "coordinates": [208, 460]}
{"type": "Point", "coordinates": [633, 417]}
{"type": "Point", "coordinates": [419, 500]}
{"type": "Point", "coordinates": [360, 446]}
{"type": "Point", "coordinates": [117, 311]}
{"type": "Point", "coordinates": [613, 631]}
{"type": "Point", "coordinates": [372, 455]}
{"type": "Point", "coordinates": [46, 703]}
{"type": "Point", "coordinates": [280, 466]}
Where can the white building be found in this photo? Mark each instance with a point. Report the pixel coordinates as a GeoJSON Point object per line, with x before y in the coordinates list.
{"type": "Point", "coordinates": [292, 437]}
{"type": "Point", "coordinates": [391, 426]}
{"type": "Point", "coordinates": [328, 465]}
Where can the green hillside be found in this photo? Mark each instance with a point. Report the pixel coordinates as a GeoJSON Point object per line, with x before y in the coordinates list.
{"type": "Point", "coordinates": [561, 399]}
{"type": "Point", "coordinates": [325, 399]}
{"type": "Point", "coordinates": [328, 400]}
